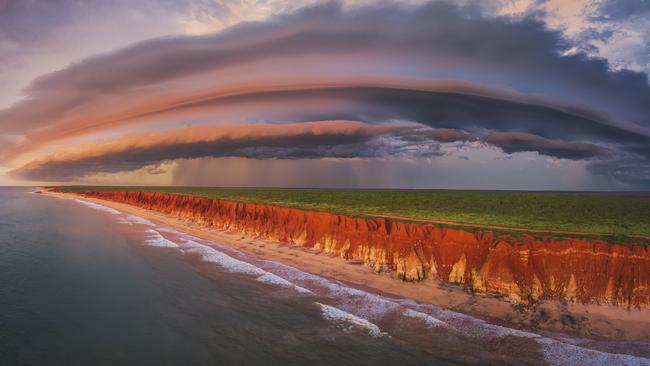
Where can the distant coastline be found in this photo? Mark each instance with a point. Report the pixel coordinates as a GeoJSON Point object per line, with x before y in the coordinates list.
{"type": "Point", "coordinates": [591, 320]}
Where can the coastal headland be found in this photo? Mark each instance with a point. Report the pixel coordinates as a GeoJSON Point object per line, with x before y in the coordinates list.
{"type": "Point", "coordinates": [578, 284]}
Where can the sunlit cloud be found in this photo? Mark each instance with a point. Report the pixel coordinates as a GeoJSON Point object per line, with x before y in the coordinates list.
{"type": "Point", "coordinates": [547, 83]}
{"type": "Point", "coordinates": [307, 140]}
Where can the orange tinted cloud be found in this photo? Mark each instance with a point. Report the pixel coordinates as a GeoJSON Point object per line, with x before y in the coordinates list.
{"type": "Point", "coordinates": [424, 64]}
{"type": "Point", "coordinates": [188, 76]}
{"type": "Point", "coordinates": [302, 140]}
{"type": "Point", "coordinates": [440, 104]}
{"type": "Point", "coordinates": [306, 140]}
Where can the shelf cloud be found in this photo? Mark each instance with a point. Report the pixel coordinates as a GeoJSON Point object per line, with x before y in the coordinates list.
{"type": "Point", "coordinates": [456, 71]}
{"type": "Point", "coordinates": [307, 140]}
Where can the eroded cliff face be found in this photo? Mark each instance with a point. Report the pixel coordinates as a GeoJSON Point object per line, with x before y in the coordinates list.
{"type": "Point", "coordinates": [521, 269]}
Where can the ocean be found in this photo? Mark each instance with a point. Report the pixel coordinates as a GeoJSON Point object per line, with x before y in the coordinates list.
{"type": "Point", "coordinates": [84, 284]}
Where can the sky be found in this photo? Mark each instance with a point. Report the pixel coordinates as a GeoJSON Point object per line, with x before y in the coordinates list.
{"type": "Point", "coordinates": [491, 94]}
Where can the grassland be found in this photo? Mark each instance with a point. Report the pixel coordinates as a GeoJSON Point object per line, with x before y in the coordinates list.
{"type": "Point", "coordinates": [607, 214]}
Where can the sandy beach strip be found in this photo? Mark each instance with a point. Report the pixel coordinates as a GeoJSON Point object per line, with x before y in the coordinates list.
{"type": "Point", "coordinates": [600, 322]}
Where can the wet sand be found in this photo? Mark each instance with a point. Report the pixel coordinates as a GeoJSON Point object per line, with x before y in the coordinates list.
{"type": "Point", "coordinates": [596, 322]}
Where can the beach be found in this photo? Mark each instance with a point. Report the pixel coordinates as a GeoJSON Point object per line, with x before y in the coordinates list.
{"type": "Point", "coordinates": [600, 323]}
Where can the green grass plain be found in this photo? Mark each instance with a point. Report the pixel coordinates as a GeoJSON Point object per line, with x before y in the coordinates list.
{"type": "Point", "coordinates": [615, 214]}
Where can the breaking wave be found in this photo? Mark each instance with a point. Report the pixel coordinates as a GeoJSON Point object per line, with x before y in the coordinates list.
{"type": "Point", "coordinates": [428, 319]}
{"type": "Point", "coordinates": [359, 309]}
{"type": "Point", "coordinates": [99, 207]}
{"type": "Point", "coordinates": [231, 264]}
{"type": "Point", "coordinates": [348, 322]}
{"type": "Point", "coordinates": [154, 239]}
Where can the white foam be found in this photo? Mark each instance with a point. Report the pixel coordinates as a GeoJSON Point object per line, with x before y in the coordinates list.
{"type": "Point", "coordinates": [99, 207]}
{"type": "Point", "coordinates": [504, 331]}
{"type": "Point", "coordinates": [373, 306]}
{"type": "Point", "coordinates": [558, 353]}
{"type": "Point", "coordinates": [359, 305]}
{"type": "Point", "coordinates": [277, 280]}
{"type": "Point", "coordinates": [139, 220]}
{"type": "Point", "coordinates": [231, 264]}
{"type": "Point", "coordinates": [351, 299]}
{"type": "Point", "coordinates": [154, 239]}
{"type": "Point", "coordinates": [125, 219]}
{"type": "Point", "coordinates": [364, 303]}
{"type": "Point", "coordinates": [339, 316]}
{"type": "Point", "coordinates": [171, 230]}
{"type": "Point", "coordinates": [428, 319]}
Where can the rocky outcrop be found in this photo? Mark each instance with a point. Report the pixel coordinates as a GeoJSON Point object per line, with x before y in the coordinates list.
{"type": "Point", "coordinates": [522, 269]}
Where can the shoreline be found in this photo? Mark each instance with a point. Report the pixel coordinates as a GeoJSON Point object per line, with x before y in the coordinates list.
{"type": "Point", "coordinates": [596, 322]}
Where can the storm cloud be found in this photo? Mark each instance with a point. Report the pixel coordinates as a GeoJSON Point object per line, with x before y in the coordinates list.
{"type": "Point", "coordinates": [447, 41]}
{"type": "Point", "coordinates": [622, 9]}
{"type": "Point", "coordinates": [307, 140]}
{"type": "Point", "coordinates": [468, 76]}
{"type": "Point", "coordinates": [441, 105]}
{"type": "Point", "coordinates": [325, 139]}
{"type": "Point", "coordinates": [512, 142]}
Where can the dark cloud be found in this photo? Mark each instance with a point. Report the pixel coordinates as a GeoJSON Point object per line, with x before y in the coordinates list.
{"type": "Point", "coordinates": [308, 140]}
{"type": "Point", "coordinates": [593, 34]}
{"type": "Point", "coordinates": [512, 142]}
{"type": "Point", "coordinates": [641, 150]}
{"type": "Point", "coordinates": [441, 105]}
{"type": "Point", "coordinates": [453, 106]}
{"type": "Point", "coordinates": [155, 170]}
{"type": "Point", "coordinates": [522, 54]}
{"type": "Point", "coordinates": [438, 134]}
{"type": "Point", "coordinates": [631, 166]}
{"type": "Point", "coordinates": [449, 67]}
{"type": "Point", "coordinates": [336, 139]}
{"type": "Point", "coordinates": [613, 10]}
{"type": "Point", "coordinates": [631, 172]}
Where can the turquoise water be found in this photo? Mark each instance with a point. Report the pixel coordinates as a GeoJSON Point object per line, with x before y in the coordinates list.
{"type": "Point", "coordinates": [82, 284]}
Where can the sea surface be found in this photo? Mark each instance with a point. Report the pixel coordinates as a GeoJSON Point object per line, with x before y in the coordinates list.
{"type": "Point", "coordinates": [84, 284]}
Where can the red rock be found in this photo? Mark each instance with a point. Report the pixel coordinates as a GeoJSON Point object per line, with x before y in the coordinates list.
{"type": "Point", "coordinates": [521, 269]}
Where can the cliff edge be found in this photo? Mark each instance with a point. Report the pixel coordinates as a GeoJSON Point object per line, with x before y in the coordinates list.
{"type": "Point", "coordinates": [523, 269]}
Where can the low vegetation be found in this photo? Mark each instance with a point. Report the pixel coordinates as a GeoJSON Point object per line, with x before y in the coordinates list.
{"type": "Point", "coordinates": [605, 213]}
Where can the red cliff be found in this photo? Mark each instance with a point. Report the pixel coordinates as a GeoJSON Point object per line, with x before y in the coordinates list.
{"type": "Point", "coordinates": [522, 269]}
